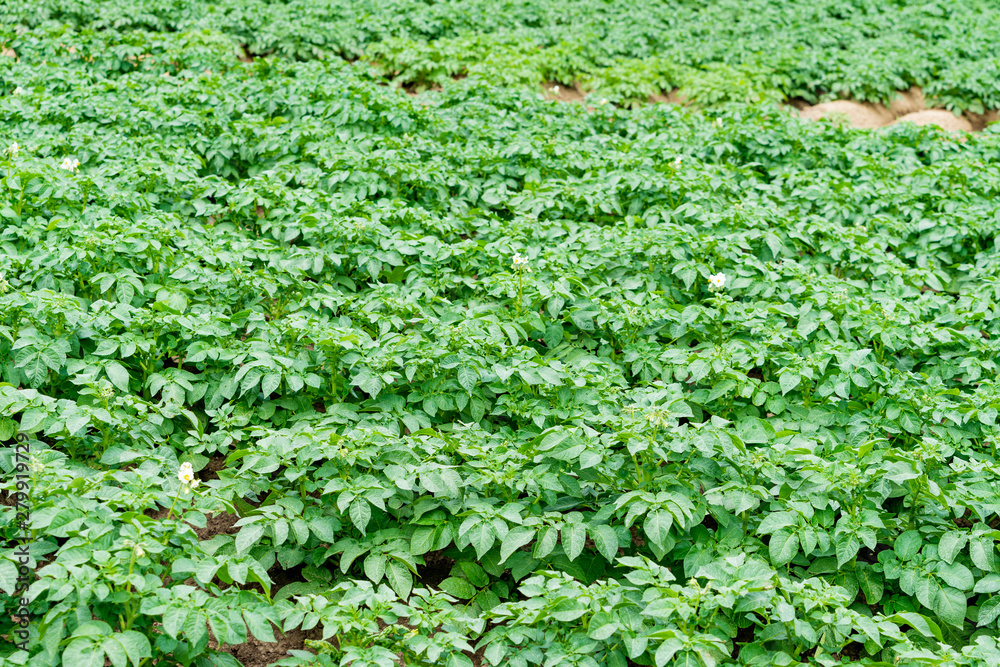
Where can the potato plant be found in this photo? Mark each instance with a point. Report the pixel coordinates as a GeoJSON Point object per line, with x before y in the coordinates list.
{"type": "Point", "coordinates": [743, 50]}
{"type": "Point", "coordinates": [477, 378]}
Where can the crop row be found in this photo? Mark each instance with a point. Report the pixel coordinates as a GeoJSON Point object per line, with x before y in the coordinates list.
{"type": "Point", "coordinates": [476, 375]}
{"type": "Point", "coordinates": [625, 51]}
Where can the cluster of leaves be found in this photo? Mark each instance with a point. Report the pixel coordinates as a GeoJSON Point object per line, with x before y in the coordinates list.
{"type": "Point", "coordinates": [302, 283]}
{"type": "Point", "coordinates": [754, 49]}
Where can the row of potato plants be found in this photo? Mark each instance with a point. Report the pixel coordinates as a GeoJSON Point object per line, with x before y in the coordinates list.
{"type": "Point", "coordinates": [649, 386]}
{"type": "Point", "coordinates": [625, 51]}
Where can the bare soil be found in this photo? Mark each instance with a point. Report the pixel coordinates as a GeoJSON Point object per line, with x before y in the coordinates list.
{"type": "Point", "coordinates": [907, 106]}
{"type": "Point", "coordinates": [670, 97]}
{"type": "Point", "coordinates": [907, 101]}
{"type": "Point", "coordinates": [561, 92]}
{"type": "Point", "coordinates": [256, 653]}
{"type": "Point", "coordinates": [940, 117]}
{"type": "Point", "coordinates": [856, 114]}
{"type": "Point", "coordinates": [979, 121]}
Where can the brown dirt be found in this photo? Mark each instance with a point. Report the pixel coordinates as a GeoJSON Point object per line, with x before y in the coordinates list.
{"type": "Point", "coordinates": [256, 653]}
{"type": "Point", "coordinates": [7, 52]}
{"type": "Point", "coordinates": [211, 471]}
{"type": "Point", "coordinates": [561, 92]}
{"type": "Point", "coordinates": [280, 577]}
{"type": "Point", "coordinates": [907, 101]}
{"type": "Point", "coordinates": [158, 513]}
{"type": "Point", "coordinates": [979, 121]}
{"type": "Point", "coordinates": [908, 105]}
{"type": "Point", "coordinates": [671, 97]}
{"type": "Point", "coordinates": [857, 114]}
{"type": "Point", "coordinates": [943, 119]}
{"type": "Point", "coordinates": [413, 90]}
{"type": "Point", "coordinates": [437, 568]}
{"type": "Point", "coordinates": [216, 523]}
{"type": "Point", "coordinates": [798, 103]}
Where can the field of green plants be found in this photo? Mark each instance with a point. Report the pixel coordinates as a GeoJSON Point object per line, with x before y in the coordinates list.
{"type": "Point", "coordinates": [299, 369]}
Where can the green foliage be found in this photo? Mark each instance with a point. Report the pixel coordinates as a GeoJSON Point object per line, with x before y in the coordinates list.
{"type": "Point", "coordinates": [459, 368]}
{"type": "Point", "coordinates": [632, 82]}
{"type": "Point", "coordinates": [750, 48]}
{"type": "Point", "coordinates": [722, 84]}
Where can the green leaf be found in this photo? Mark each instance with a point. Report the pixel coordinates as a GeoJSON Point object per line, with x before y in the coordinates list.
{"type": "Point", "coordinates": [989, 611]}
{"type": "Point", "coordinates": [949, 546]}
{"type": "Point", "coordinates": [774, 521]}
{"type": "Point", "coordinates": [574, 536]}
{"type": "Point", "coordinates": [8, 576]}
{"type": "Point", "coordinates": [118, 376]}
{"type": "Point", "coordinates": [868, 627]}
{"type": "Point", "coordinates": [606, 540]}
{"type": "Point", "coordinates": [983, 551]}
{"type": "Point", "coordinates": [515, 539]}
{"type": "Point", "coordinates": [568, 609]}
{"type": "Point", "coordinates": [482, 536]}
{"type": "Point", "coordinates": [7, 428]}
{"type": "Point", "coordinates": [657, 526]}
{"type": "Point", "coordinates": [907, 545]}
{"type": "Point", "coordinates": [361, 514]}
{"type": "Point", "coordinates": [135, 644]}
{"type": "Point", "coordinates": [665, 652]}
{"type": "Point", "coordinates": [871, 583]}
{"type": "Point", "coordinates": [248, 536]}
{"type": "Point", "coordinates": [957, 576]}
{"type": "Point", "coordinates": [350, 554]}
{"type": "Point", "coordinates": [400, 579]}
{"type": "Point", "coordinates": [173, 621]}
{"type": "Point", "coordinates": [460, 588]}
{"type": "Point", "coordinates": [988, 584]}
{"type": "Point", "coordinates": [258, 625]}
{"type": "Point", "coordinates": [375, 567]}
{"type": "Point", "coordinates": [601, 626]}
{"type": "Point", "coordinates": [920, 623]}
{"type": "Point", "coordinates": [546, 542]}
{"type": "Point", "coordinates": [468, 378]}
{"type": "Point", "coordinates": [754, 430]}
{"type": "Point", "coordinates": [950, 604]}
{"type": "Point", "coordinates": [783, 547]}
{"type": "Point", "coordinates": [847, 545]}
{"type": "Point", "coordinates": [83, 653]}
{"type": "Point", "coordinates": [31, 420]}
{"type": "Point", "coordinates": [35, 362]}
{"type": "Point", "coordinates": [476, 572]}
{"type": "Point", "coordinates": [422, 540]}
{"type": "Point", "coordinates": [788, 381]}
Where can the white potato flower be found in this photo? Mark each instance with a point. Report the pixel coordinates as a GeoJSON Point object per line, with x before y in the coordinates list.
{"type": "Point", "coordinates": [13, 149]}
{"type": "Point", "coordinates": [70, 164]}
{"type": "Point", "coordinates": [718, 281]}
{"type": "Point", "coordinates": [186, 473]}
{"type": "Point", "coordinates": [188, 481]}
{"type": "Point", "coordinates": [19, 91]}
{"type": "Point", "coordinates": [519, 261]}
